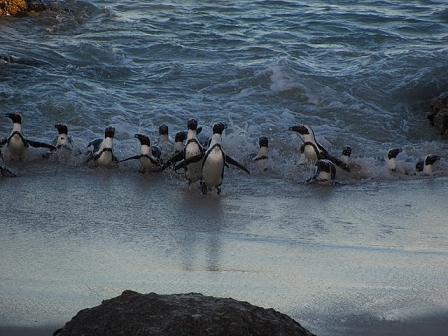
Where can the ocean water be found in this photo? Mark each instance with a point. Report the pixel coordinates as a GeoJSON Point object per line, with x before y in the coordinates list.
{"type": "Point", "coordinates": [360, 74]}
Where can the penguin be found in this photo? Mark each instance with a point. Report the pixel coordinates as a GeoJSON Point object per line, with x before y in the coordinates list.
{"type": "Point", "coordinates": [149, 155]}
{"type": "Point", "coordinates": [17, 143]}
{"type": "Point", "coordinates": [101, 150]}
{"type": "Point", "coordinates": [165, 142]}
{"type": "Point", "coordinates": [346, 153]}
{"type": "Point", "coordinates": [391, 158]}
{"type": "Point", "coordinates": [192, 154]}
{"type": "Point", "coordinates": [179, 142]}
{"type": "Point", "coordinates": [261, 157]}
{"type": "Point", "coordinates": [63, 140]}
{"type": "Point", "coordinates": [325, 171]}
{"type": "Point", "coordinates": [213, 162]}
{"type": "Point", "coordinates": [311, 150]}
{"type": "Point", "coordinates": [4, 171]}
{"type": "Point", "coordinates": [425, 167]}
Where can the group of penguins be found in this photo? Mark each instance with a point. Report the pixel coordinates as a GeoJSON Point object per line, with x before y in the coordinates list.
{"type": "Point", "coordinates": [204, 162]}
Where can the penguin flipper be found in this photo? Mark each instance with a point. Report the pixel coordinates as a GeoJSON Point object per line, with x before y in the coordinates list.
{"type": "Point", "coordinates": [3, 142]}
{"type": "Point", "coordinates": [175, 158]}
{"type": "Point", "coordinates": [198, 130]}
{"type": "Point", "coordinates": [335, 160]}
{"type": "Point", "coordinates": [236, 164]}
{"type": "Point", "coordinates": [7, 173]}
{"type": "Point", "coordinates": [38, 144]}
{"type": "Point", "coordinates": [188, 161]}
{"type": "Point", "coordinates": [135, 157]}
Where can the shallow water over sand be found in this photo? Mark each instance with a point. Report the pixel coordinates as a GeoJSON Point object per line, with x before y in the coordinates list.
{"type": "Point", "coordinates": [365, 258]}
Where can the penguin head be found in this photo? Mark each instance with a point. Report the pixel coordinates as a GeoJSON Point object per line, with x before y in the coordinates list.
{"type": "Point", "coordinates": [144, 139]}
{"type": "Point", "coordinates": [163, 129]}
{"type": "Point", "coordinates": [192, 124]}
{"type": "Point", "coordinates": [302, 129]}
{"type": "Point", "coordinates": [392, 153]}
{"type": "Point", "coordinates": [263, 141]}
{"type": "Point", "coordinates": [347, 151]}
{"type": "Point", "coordinates": [180, 136]}
{"type": "Point", "coordinates": [109, 132]}
{"type": "Point", "coordinates": [62, 128]}
{"type": "Point", "coordinates": [219, 127]}
{"type": "Point", "coordinates": [430, 159]}
{"type": "Point", "coordinates": [15, 117]}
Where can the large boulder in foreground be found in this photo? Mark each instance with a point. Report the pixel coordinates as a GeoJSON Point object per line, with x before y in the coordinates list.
{"type": "Point", "coordinates": [438, 113]}
{"type": "Point", "coordinates": [137, 314]}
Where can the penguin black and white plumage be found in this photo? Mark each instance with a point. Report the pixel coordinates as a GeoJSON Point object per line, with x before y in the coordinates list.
{"type": "Point", "coordinates": [101, 150]}
{"type": "Point", "coordinates": [192, 154]}
{"type": "Point", "coordinates": [17, 143]}
{"type": "Point", "coordinates": [261, 157]}
{"type": "Point", "coordinates": [425, 167]}
{"type": "Point", "coordinates": [149, 155]}
{"type": "Point", "coordinates": [215, 160]}
{"type": "Point", "coordinates": [325, 171]}
{"type": "Point", "coordinates": [346, 154]}
{"type": "Point", "coordinates": [391, 158]}
{"type": "Point", "coordinates": [311, 150]}
{"type": "Point", "coordinates": [179, 142]}
{"type": "Point", "coordinates": [165, 142]}
{"type": "Point", "coordinates": [63, 141]}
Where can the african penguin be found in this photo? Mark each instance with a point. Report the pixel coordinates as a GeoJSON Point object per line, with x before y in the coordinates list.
{"type": "Point", "coordinates": [17, 143]}
{"type": "Point", "coordinates": [63, 143]}
{"type": "Point", "coordinates": [311, 150]}
{"type": "Point", "coordinates": [179, 142]}
{"type": "Point", "coordinates": [346, 153]}
{"type": "Point", "coordinates": [261, 157]}
{"type": "Point", "coordinates": [165, 142]}
{"type": "Point", "coordinates": [215, 160]}
{"type": "Point", "coordinates": [391, 158]}
{"type": "Point", "coordinates": [425, 167]}
{"type": "Point", "coordinates": [101, 150]}
{"type": "Point", "coordinates": [325, 171]}
{"type": "Point", "coordinates": [192, 154]}
{"type": "Point", "coordinates": [149, 155]}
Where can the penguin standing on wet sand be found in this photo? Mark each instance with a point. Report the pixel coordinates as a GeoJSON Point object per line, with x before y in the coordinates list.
{"type": "Point", "coordinates": [215, 160]}
{"type": "Point", "coordinates": [311, 150]}
{"type": "Point", "coordinates": [425, 167]}
{"type": "Point", "coordinates": [391, 158]}
{"type": "Point", "coordinates": [17, 142]}
{"type": "Point", "coordinates": [101, 150]}
{"type": "Point", "coordinates": [192, 154]}
{"type": "Point", "coordinates": [149, 155]}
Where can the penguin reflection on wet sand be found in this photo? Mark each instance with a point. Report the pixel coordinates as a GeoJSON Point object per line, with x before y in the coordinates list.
{"type": "Point", "coordinates": [149, 155]}
{"type": "Point", "coordinates": [192, 154]}
{"type": "Point", "coordinates": [17, 143]}
{"type": "Point", "coordinates": [101, 150]}
{"type": "Point", "coordinates": [391, 158]}
{"type": "Point", "coordinates": [425, 167]}
{"type": "Point", "coordinates": [311, 150]}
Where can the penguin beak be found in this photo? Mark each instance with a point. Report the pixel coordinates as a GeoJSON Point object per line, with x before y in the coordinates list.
{"type": "Point", "coordinates": [300, 129]}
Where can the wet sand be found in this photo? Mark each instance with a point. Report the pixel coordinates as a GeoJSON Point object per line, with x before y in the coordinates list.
{"type": "Point", "coordinates": [368, 258]}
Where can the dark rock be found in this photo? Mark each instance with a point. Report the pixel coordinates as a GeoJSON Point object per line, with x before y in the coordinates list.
{"type": "Point", "coordinates": [20, 7]}
{"type": "Point", "coordinates": [138, 314]}
{"type": "Point", "coordinates": [438, 113]}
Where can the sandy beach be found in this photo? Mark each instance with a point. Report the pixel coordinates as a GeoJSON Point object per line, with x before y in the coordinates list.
{"type": "Point", "coordinates": [362, 259]}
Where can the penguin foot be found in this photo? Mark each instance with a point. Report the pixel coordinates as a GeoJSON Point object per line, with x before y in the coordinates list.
{"type": "Point", "coordinates": [204, 188]}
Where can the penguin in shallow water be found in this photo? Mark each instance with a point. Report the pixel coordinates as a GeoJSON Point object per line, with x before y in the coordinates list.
{"type": "Point", "coordinates": [179, 142]}
{"type": "Point", "coordinates": [17, 143]}
{"type": "Point", "coordinates": [391, 158]}
{"type": "Point", "coordinates": [101, 150]}
{"type": "Point", "coordinates": [192, 154]}
{"type": "Point", "coordinates": [425, 167]}
{"type": "Point", "coordinates": [325, 171]}
{"type": "Point", "coordinates": [346, 154]}
{"type": "Point", "coordinates": [311, 150]}
{"type": "Point", "coordinates": [63, 140]}
{"type": "Point", "coordinates": [261, 158]}
{"type": "Point", "coordinates": [149, 155]}
{"type": "Point", "coordinates": [165, 142]}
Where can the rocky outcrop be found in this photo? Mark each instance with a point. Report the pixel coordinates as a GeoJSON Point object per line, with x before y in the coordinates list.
{"type": "Point", "coordinates": [20, 7]}
{"type": "Point", "coordinates": [137, 314]}
{"type": "Point", "coordinates": [438, 114]}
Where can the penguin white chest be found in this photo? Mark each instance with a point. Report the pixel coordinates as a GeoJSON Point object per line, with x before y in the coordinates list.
{"type": "Point", "coordinates": [213, 167]}
{"type": "Point", "coordinates": [105, 158]}
{"type": "Point", "coordinates": [193, 171]}
{"type": "Point", "coordinates": [147, 164]}
{"type": "Point", "coordinates": [16, 147]}
{"type": "Point", "coordinates": [310, 153]}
